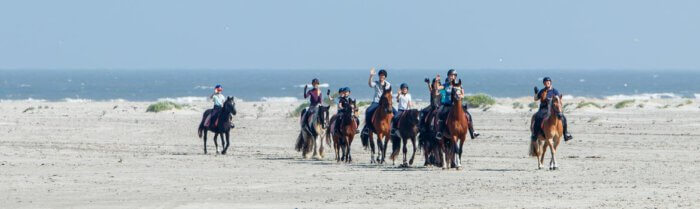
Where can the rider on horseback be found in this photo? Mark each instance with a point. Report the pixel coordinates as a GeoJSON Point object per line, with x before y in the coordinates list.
{"type": "Point", "coordinates": [544, 100]}
{"type": "Point", "coordinates": [446, 102]}
{"type": "Point", "coordinates": [315, 98]}
{"type": "Point", "coordinates": [343, 105]}
{"type": "Point", "coordinates": [378, 91]}
{"type": "Point", "coordinates": [404, 102]}
{"type": "Point", "coordinates": [218, 99]}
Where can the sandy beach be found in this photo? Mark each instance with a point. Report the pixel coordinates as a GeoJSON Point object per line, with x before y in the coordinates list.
{"type": "Point", "coordinates": [86, 154]}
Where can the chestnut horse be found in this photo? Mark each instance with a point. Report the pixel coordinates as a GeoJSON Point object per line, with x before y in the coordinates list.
{"type": "Point", "coordinates": [381, 121]}
{"type": "Point", "coordinates": [345, 132]}
{"type": "Point", "coordinates": [407, 129]}
{"type": "Point", "coordinates": [553, 130]}
{"type": "Point", "coordinates": [458, 126]}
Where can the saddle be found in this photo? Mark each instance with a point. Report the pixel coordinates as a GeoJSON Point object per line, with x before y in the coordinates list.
{"type": "Point", "coordinates": [212, 114]}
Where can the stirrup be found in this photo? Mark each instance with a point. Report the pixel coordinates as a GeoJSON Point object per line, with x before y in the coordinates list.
{"type": "Point", "coordinates": [438, 135]}
{"type": "Point", "coordinates": [568, 137]}
{"type": "Point", "coordinates": [533, 137]}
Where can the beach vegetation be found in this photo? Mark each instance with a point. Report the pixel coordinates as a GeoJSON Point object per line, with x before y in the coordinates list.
{"type": "Point", "coordinates": [479, 100]}
{"type": "Point", "coordinates": [163, 106]}
{"type": "Point", "coordinates": [584, 104]}
{"type": "Point", "coordinates": [624, 103]}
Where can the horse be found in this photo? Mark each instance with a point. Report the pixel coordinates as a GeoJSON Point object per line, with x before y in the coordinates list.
{"type": "Point", "coordinates": [381, 122]}
{"type": "Point", "coordinates": [552, 131]}
{"type": "Point", "coordinates": [222, 129]}
{"type": "Point", "coordinates": [407, 129]}
{"type": "Point", "coordinates": [458, 125]}
{"type": "Point", "coordinates": [309, 139]}
{"type": "Point", "coordinates": [345, 133]}
{"type": "Point", "coordinates": [426, 138]}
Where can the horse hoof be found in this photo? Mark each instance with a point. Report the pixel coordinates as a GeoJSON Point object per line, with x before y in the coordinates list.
{"type": "Point", "coordinates": [223, 153]}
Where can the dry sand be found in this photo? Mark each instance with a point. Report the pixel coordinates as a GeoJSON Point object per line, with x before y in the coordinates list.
{"type": "Point", "coordinates": [115, 155]}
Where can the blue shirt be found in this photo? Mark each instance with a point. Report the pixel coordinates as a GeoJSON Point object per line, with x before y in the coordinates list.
{"type": "Point", "coordinates": [446, 94]}
{"type": "Point", "coordinates": [551, 93]}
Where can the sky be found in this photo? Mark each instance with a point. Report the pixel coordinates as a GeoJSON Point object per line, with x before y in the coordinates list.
{"type": "Point", "coordinates": [357, 34]}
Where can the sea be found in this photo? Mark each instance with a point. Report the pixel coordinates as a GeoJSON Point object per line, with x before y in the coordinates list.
{"type": "Point", "coordinates": [191, 85]}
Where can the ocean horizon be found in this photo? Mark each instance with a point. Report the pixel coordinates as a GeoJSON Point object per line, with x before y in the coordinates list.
{"type": "Point", "coordinates": [188, 85]}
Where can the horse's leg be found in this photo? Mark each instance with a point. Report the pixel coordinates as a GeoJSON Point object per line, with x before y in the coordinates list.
{"type": "Point", "coordinates": [387, 138]}
{"type": "Point", "coordinates": [226, 134]}
{"type": "Point", "coordinates": [413, 156]}
{"type": "Point", "coordinates": [380, 147]}
{"type": "Point", "coordinates": [461, 148]}
{"type": "Point", "coordinates": [348, 144]}
{"type": "Point", "coordinates": [550, 144]}
{"type": "Point", "coordinates": [443, 158]}
{"type": "Point", "coordinates": [556, 147]}
{"type": "Point", "coordinates": [320, 143]}
{"type": "Point", "coordinates": [205, 141]}
{"type": "Point", "coordinates": [315, 147]}
{"type": "Point", "coordinates": [371, 143]}
{"type": "Point", "coordinates": [404, 140]}
{"type": "Point", "coordinates": [543, 150]}
{"type": "Point", "coordinates": [216, 144]}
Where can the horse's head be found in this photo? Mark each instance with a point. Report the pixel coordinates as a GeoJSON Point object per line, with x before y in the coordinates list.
{"type": "Point", "coordinates": [456, 92]}
{"type": "Point", "coordinates": [555, 105]}
{"type": "Point", "coordinates": [385, 101]}
{"type": "Point", "coordinates": [413, 116]}
{"type": "Point", "coordinates": [352, 107]}
{"type": "Point", "coordinates": [230, 106]}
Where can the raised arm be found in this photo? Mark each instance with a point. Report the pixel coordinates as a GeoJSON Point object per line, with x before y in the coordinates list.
{"type": "Point", "coordinates": [371, 74]}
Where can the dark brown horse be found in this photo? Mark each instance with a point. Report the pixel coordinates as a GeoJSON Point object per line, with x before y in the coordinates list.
{"type": "Point", "coordinates": [381, 121]}
{"type": "Point", "coordinates": [407, 129]}
{"type": "Point", "coordinates": [426, 138]}
{"type": "Point", "coordinates": [223, 128]}
{"type": "Point", "coordinates": [345, 132]}
{"type": "Point", "coordinates": [552, 131]}
{"type": "Point", "coordinates": [458, 126]}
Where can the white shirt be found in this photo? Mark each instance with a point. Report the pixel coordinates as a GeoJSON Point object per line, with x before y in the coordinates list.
{"type": "Point", "coordinates": [378, 90]}
{"type": "Point", "coordinates": [403, 101]}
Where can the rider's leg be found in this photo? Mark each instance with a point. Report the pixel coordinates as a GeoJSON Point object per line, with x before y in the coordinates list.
{"type": "Point", "coordinates": [368, 117]}
{"type": "Point", "coordinates": [395, 121]}
{"type": "Point", "coordinates": [567, 135]}
{"type": "Point", "coordinates": [472, 133]}
{"type": "Point", "coordinates": [442, 115]}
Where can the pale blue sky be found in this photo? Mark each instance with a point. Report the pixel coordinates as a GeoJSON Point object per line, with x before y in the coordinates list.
{"type": "Point", "coordinates": [325, 34]}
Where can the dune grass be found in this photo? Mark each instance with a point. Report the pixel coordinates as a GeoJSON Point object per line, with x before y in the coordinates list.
{"type": "Point", "coordinates": [624, 103]}
{"type": "Point", "coordinates": [363, 103]}
{"type": "Point", "coordinates": [163, 106]}
{"type": "Point", "coordinates": [583, 104]}
{"type": "Point", "coordinates": [297, 111]}
{"type": "Point", "coordinates": [480, 100]}
{"type": "Point", "coordinates": [518, 105]}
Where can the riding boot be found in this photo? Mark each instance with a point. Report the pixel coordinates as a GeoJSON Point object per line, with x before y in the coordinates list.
{"type": "Point", "coordinates": [567, 135]}
{"type": "Point", "coordinates": [365, 131]}
{"type": "Point", "coordinates": [472, 134]}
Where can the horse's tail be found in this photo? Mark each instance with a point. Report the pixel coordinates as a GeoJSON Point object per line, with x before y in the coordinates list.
{"type": "Point", "coordinates": [395, 145]}
{"type": "Point", "coordinates": [328, 135]}
{"type": "Point", "coordinates": [200, 131]}
{"type": "Point", "coordinates": [534, 148]}
{"type": "Point", "coordinates": [300, 143]}
{"type": "Point", "coordinates": [365, 140]}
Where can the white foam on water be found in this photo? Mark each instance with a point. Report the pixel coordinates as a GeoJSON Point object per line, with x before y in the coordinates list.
{"type": "Point", "coordinates": [189, 99]}
{"type": "Point", "coordinates": [279, 99]}
{"type": "Point", "coordinates": [204, 87]}
{"type": "Point", "coordinates": [644, 96]}
{"type": "Point", "coordinates": [76, 100]}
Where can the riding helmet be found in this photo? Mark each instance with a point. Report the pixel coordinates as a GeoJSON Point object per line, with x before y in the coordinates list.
{"type": "Point", "coordinates": [451, 71]}
{"type": "Point", "coordinates": [314, 81]}
{"type": "Point", "coordinates": [545, 79]}
{"type": "Point", "coordinates": [347, 89]}
{"type": "Point", "coordinates": [340, 90]}
{"type": "Point", "coordinates": [382, 72]}
{"type": "Point", "coordinates": [404, 85]}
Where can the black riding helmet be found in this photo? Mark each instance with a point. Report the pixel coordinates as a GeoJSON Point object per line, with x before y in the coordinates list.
{"type": "Point", "coordinates": [404, 85]}
{"type": "Point", "coordinates": [314, 81]}
{"type": "Point", "coordinates": [451, 71]}
{"type": "Point", "coordinates": [545, 79]}
{"type": "Point", "coordinates": [382, 72]}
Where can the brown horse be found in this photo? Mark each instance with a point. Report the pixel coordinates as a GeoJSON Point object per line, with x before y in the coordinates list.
{"type": "Point", "coordinates": [345, 133]}
{"type": "Point", "coordinates": [553, 130]}
{"type": "Point", "coordinates": [381, 121]}
{"type": "Point", "coordinates": [458, 126]}
{"type": "Point", "coordinates": [407, 129]}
